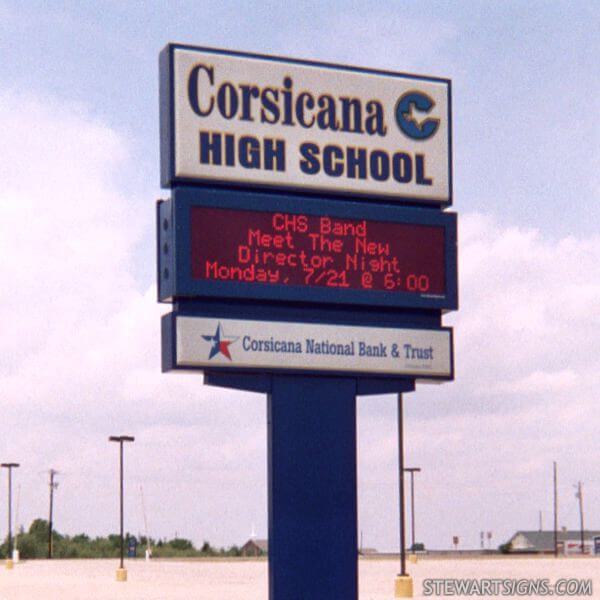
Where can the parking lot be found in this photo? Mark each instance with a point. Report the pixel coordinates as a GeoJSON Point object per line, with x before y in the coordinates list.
{"type": "Point", "coordinates": [247, 579]}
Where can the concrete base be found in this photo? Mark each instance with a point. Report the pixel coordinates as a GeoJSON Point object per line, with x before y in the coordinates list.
{"type": "Point", "coordinates": [413, 558]}
{"type": "Point", "coordinates": [9, 563]}
{"type": "Point", "coordinates": [121, 574]}
{"type": "Point", "coordinates": [404, 586]}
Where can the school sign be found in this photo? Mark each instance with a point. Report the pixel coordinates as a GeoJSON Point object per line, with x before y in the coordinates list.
{"type": "Point", "coordinates": [307, 254]}
{"type": "Point", "coordinates": [288, 124]}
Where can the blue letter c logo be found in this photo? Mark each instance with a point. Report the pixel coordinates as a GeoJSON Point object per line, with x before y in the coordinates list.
{"type": "Point", "coordinates": [408, 123]}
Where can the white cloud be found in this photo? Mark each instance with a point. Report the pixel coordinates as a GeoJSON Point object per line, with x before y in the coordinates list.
{"type": "Point", "coordinates": [527, 337]}
{"type": "Point", "coordinates": [527, 303]}
{"type": "Point", "coordinates": [67, 235]}
{"type": "Point", "coordinates": [539, 382]}
{"type": "Point", "coordinates": [373, 37]}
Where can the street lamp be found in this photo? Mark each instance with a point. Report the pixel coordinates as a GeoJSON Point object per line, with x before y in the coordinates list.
{"type": "Point", "coordinates": [404, 583]}
{"type": "Point", "coordinates": [121, 571]}
{"type": "Point", "coordinates": [412, 471]}
{"type": "Point", "coordinates": [10, 467]}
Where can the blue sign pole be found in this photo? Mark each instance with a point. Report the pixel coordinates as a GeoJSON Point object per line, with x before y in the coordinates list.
{"type": "Point", "coordinates": [313, 541]}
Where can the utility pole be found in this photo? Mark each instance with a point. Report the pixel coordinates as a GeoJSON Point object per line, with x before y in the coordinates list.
{"type": "Point", "coordinates": [579, 495]}
{"type": "Point", "coordinates": [541, 523]}
{"type": "Point", "coordinates": [10, 467]}
{"type": "Point", "coordinates": [412, 471]}
{"type": "Point", "coordinates": [16, 542]}
{"type": "Point", "coordinates": [121, 572]}
{"type": "Point", "coordinates": [53, 486]}
{"type": "Point", "coordinates": [555, 512]}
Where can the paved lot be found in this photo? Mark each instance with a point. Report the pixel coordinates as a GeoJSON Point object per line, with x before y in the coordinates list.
{"type": "Point", "coordinates": [247, 580]}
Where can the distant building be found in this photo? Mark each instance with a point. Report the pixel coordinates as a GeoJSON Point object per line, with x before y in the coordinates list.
{"type": "Point", "coordinates": [542, 542]}
{"type": "Point", "coordinates": [255, 548]}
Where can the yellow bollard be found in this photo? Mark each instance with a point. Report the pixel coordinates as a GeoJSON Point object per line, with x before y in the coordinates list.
{"type": "Point", "coordinates": [9, 563]}
{"type": "Point", "coordinates": [404, 586]}
{"type": "Point", "coordinates": [121, 574]}
{"type": "Point", "coordinates": [413, 558]}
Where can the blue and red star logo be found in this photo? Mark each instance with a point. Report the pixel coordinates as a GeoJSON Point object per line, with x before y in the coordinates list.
{"type": "Point", "coordinates": [219, 343]}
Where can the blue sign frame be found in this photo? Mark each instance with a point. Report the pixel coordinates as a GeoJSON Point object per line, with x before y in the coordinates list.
{"type": "Point", "coordinates": [167, 125]}
{"type": "Point", "coordinates": [174, 255]}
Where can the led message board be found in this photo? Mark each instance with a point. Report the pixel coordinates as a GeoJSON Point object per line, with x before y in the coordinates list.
{"type": "Point", "coordinates": [277, 248]}
{"type": "Point", "coordinates": [253, 120]}
{"type": "Point", "coordinates": [328, 252]}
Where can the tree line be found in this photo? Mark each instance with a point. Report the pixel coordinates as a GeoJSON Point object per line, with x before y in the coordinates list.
{"type": "Point", "coordinates": [33, 543]}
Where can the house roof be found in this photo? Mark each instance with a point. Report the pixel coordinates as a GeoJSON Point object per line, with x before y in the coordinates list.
{"type": "Point", "coordinates": [261, 544]}
{"type": "Point", "coordinates": [544, 540]}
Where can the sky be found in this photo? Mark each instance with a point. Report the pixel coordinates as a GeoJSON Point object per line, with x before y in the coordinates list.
{"type": "Point", "coordinates": [79, 321]}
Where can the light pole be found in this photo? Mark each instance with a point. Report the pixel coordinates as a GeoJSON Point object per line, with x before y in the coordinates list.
{"type": "Point", "coordinates": [121, 571]}
{"type": "Point", "coordinates": [412, 471]}
{"type": "Point", "coordinates": [404, 583]}
{"type": "Point", "coordinates": [10, 467]}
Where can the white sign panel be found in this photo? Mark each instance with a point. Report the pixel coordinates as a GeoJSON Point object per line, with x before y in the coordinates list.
{"type": "Point", "coordinates": [262, 121]}
{"type": "Point", "coordinates": [209, 342]}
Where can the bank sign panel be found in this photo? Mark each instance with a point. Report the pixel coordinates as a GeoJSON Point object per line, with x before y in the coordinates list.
{"type": "Point", "coordinates": [249, 120]}
{"type": "Point", "coordinates": [213, 343]}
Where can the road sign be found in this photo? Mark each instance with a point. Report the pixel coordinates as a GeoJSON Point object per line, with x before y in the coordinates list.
{"type": "Point", "coordinates": [254, 120]}
{"type": "Point", "coordinates": [212, 245]}
{"type": "Point", "coordinates": [132, 544]}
